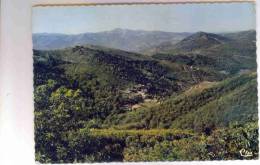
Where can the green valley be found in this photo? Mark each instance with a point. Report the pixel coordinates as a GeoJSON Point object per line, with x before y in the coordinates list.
{"type": "Point", "coordinates": [193, 97]}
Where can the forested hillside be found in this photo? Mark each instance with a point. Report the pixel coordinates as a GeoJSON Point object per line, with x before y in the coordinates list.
{"type": "Point", "coordinates": [220, 104]}
{"type": "Point", "coordinates": [228, 55]}
{"type": "Point", "coordinates": [195, 99]}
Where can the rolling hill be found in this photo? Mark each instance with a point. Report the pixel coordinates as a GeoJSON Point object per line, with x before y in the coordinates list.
{"type": "Point", "coordinates": [197, 41]}
{"type": "Point", "coordinates": [118, 68]}
{"type": "Point", "coordinates": [228, 54]}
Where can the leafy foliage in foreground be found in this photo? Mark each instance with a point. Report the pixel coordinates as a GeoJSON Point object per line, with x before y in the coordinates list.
{"type": "Point", "coordinates": [91, 145]}
{"type": "Point", "coordinates": [222, 144]}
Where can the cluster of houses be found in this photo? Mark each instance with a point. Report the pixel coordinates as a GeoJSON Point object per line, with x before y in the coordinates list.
{"type": "Point", "coordinates": [136, 95]}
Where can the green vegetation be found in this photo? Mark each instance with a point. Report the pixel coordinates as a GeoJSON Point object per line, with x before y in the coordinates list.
{"type": "Point", "coordinates": [214, 52]}
{"type": "Point", "coordinates": [222, 144]}
{"type": "Point", "coordinates": [196, 100]}
{"type": "Point", "coordinates": [231, 100]}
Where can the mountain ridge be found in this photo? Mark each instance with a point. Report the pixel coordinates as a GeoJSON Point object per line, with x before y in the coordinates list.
{"type": "Point", "coordinates": [227, 53]}
{"type": "Point", "coordinates": [124, 39]}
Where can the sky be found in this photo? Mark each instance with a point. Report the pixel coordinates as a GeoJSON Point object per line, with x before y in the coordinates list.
{"type": "Point", "coordinates": [221, 17]}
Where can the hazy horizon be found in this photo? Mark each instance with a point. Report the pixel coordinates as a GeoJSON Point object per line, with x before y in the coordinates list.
{"type": "Point", "coordinates": [214, 18]}
{"type": "Point", "coordinates": [146, 31]}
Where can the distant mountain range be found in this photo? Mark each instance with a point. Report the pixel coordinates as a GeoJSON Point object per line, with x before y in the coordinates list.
{"type": "Point", "coordinates": [227, 52]}
{"type": "Point", "coordinates": [145, 42]}
{"type": "Point", "coordinates": [124, 39]}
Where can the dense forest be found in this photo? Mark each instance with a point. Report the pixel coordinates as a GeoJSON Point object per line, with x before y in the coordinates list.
{"type": "Point", "coordinates": [195, 99]}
